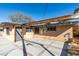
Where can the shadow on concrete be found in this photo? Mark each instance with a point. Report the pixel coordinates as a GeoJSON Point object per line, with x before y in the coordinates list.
{"type": "Point", "coordinates": [64, 50]}
{"type": "Point", "coordinates": [23, 44]}
{"type": "Point", "coordinates": [24, 48]}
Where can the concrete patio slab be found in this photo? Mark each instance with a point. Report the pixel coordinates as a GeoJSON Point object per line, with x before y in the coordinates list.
{"type": "Point", "coordinates": [8, 48]}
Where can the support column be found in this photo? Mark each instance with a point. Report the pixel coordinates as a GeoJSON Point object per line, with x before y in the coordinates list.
{"type": "Point", "coordinates": [41, 30]}
{"type": "Point", "coordinates": [45, 29]}
{"type": "Point", "coordinates": [23, 31]}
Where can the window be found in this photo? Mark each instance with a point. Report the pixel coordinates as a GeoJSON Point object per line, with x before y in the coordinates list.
{"type": "Point", "coordinates": [51, 28]}
{"type": "Point", "coordinates": [28, 30]}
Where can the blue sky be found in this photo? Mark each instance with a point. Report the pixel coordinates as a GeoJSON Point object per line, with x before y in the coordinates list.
{"type": "Point", "coordinates": [37, 11]}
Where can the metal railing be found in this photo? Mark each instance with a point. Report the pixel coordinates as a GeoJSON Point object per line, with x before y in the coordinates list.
{"type": "Point", "coordinates": [24, 48]}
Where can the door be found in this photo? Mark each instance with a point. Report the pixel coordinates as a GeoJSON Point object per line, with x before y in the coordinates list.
{"type": "Point", "coordinates": [36, 30]}
{"type": "Point", "coordinates": [17, 36]}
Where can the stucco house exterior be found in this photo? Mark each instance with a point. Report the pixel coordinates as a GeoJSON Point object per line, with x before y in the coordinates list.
{"type": "Point", "coordinates": [61, 28]}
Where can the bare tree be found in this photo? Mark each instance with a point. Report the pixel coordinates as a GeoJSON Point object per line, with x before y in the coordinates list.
{"type": "Point", "coordinates": [20, 18]}
{"type": "Point", "coordinates": [76, 11]}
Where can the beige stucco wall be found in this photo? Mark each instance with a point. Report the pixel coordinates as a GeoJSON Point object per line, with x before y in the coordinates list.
{"type": "Point", "coordinates": [64, 31]}
{"type": "Point", "coordinates": [11, 36]}
{"type": "Point", "coordinates": [28, 35]}
{"type": "Point", "coordinates": [58, 34]}
{"type": "Point", "coordinates": [1, 33]}
{"type": "Point", "coordinates": [51, 35]}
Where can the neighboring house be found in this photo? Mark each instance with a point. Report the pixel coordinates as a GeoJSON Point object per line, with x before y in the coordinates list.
{"type": "Point", "coordinates": [60, 28]}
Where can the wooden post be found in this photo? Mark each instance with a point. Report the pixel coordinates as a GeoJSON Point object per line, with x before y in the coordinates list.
{"type": "Point", "coordinates": [23, 31]}
{"type": "Point", "coordinates": [45, 28]}
{"type": "Point", "coordinates": [33, 30]}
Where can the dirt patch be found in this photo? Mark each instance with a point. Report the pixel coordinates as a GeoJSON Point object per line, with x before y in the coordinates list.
{"type": "Point", "coordinates": [74, 50]}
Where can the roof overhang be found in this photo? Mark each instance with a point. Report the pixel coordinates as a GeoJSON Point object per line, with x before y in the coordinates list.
{"type": "Point", "coordinates": [42, 22]}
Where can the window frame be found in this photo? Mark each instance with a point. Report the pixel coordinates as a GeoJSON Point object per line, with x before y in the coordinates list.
{"type": "Point", "coordinates": [51, 28]}
{"type": "Point", "coordinates": [28, 30]}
